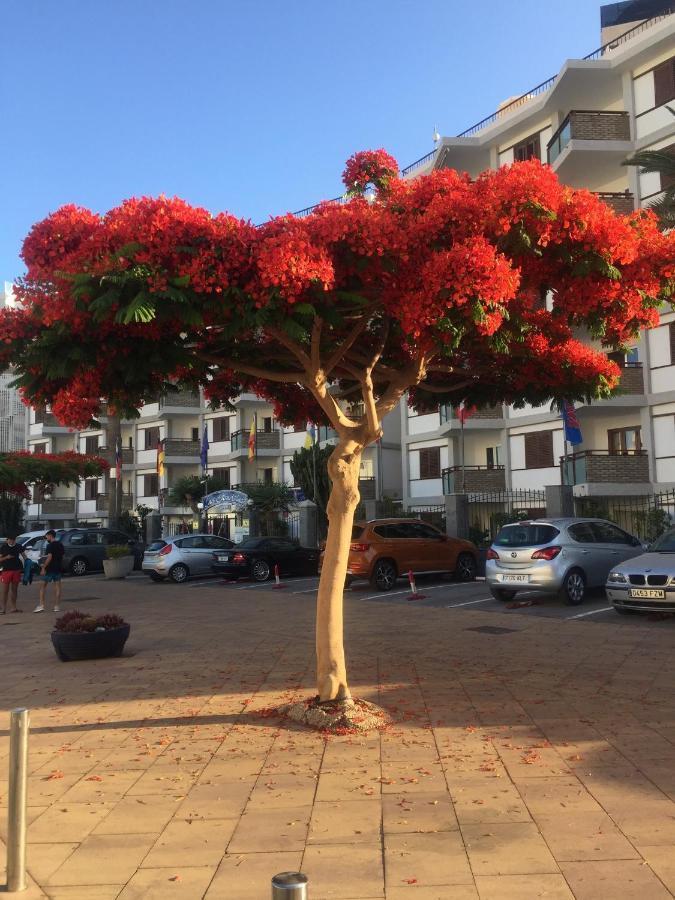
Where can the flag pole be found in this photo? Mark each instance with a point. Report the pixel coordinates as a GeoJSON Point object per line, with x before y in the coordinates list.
{"type": "Point", "coordinates": [461, 423]}
{"type": "Point", "coordinates": [314, 460]}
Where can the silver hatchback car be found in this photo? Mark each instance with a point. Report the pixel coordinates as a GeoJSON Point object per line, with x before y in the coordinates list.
{"type": "Point", "coordinates": [556, 556]}
{"type": "Point", "coordinates": [182, 556]}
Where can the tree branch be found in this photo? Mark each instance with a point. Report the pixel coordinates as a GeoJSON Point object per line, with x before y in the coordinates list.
{"type": "Point", "coordinates": [335, 358]}
{"type": "Point", "coordinates": [255, 371]}
{"type": "Point", "coordinates": [444, 388]}
{"type": "Point", "coordinates": [316, 342]}
{"type": "Point", "coordinates": [291, 345]}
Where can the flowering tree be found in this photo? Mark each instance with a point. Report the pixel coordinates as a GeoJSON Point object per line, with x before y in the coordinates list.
{"type": "Point", "coordinates": [20, 469]}
{"type": "Point", "coordinates": [441, 287]}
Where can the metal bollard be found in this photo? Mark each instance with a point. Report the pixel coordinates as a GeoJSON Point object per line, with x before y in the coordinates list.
{"type": "Point", "coordinates": [16, 809]}
{"type": "Point", "coordinates": [289, 886]}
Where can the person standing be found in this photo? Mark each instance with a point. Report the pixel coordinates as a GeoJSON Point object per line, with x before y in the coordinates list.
{"type": "Point", "coordinates": [51, 572]}
{"type": "Point", "coordinates": [11, 559]}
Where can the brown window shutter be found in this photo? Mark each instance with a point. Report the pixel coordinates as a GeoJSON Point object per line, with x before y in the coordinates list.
{"type": "Point", "coordinates": [90, 489]}
{"type": "Point", "coordinates": [91, 445]}
{"type": "Point", "coordinates": [221, 428]}
{"type": "Point", "coordinates": [430, 462]}
{"type": "Point", "coordinates": [664, 82]}
{"type": "Point", "coordinates": [671, 329]}
{"type": "Point", "coordinates": [539, 450]}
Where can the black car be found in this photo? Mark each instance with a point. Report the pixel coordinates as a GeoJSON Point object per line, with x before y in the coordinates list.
{"type": "Point", "coordinates": [256, 558]}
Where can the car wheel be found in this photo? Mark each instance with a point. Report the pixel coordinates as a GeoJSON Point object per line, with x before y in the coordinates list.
{"type": "Point", "coordinates": [156, 577]}
{"type": "Point", "coordinates": [502, 595]}
{"type": "Point", "coordinates": [465, 567]}
{"type": "Point", "coordinates": [349, 580]}
{"type": "Point", "coordinates": [179, 573]}
{"type": "Point", "coordinates": [384, 575]}
{"type": "Point", "coordinates": [261, 570]}
{"type": "Point", "coordinates": [79, 566]}
{"type": "Point", "coordinates": [573, 588]}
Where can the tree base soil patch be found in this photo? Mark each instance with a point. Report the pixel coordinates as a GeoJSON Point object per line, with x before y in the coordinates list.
{"type": "Point", "coordinates": [338, 716]}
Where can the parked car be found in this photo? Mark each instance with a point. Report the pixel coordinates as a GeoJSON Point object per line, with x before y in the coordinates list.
{"type": "Point", "coordinates": [85, 548]}
{"type": "Point", "coordinates": [385, 549]}
{"type": "Point", "coordinates": [556, 556]}
{"type": "Point", "coordinates": [30, 536]}
{"type": "Point", "coordinates": [182, 556]}
{"type": "Point", "coordinates": [256, 557]}
{"type": "Point", "coordinates": [647, 582]}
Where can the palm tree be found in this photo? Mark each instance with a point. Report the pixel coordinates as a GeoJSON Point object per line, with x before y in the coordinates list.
{"type": "Point", "coordinates": [661, 162]}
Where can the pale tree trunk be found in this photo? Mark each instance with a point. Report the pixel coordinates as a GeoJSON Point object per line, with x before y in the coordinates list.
{"type": "Point", "coordinates": [331, 672]}
{"type": "Point", "coordinates": [113, 435]}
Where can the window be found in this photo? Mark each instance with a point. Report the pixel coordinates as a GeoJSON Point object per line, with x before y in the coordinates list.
{"type": "Point", "coordinates": [91, 444]}
{"type": "Point", "coordinates": [193, 543]}
{"type": "Point", "coordinates": [671, 334]}
{"type": "Point", "coordinates": [609, 534]}
{"type": "Point", "coordinates": [217, 543]}
{"type": "Point", "coordinates": [131, 442]}
{"type": "Point", "coordinates": [628, 357]}
{"type": "Point", "coordinates": [430, 462]}
{"type": "Point", "coordinates": [539, 450]}
{"type": "Point", "coordinates": [267, 424]}
{"type": "Point", "coordinates": [221, 477]}
{"type": "Point", "coordinates": [40, 448]}
{"type": "Point", "coordinates": [526, 535]}
{"type": "Point", "coordinates": [582, 533]}
{"type": "Point", "coordinates": [528, 149]}
{"type": "Point", "coordinates": [624, 441]}
{"type": "Point", "coordinates": [221, 428]}
{"type": "Point", "coordinates": [91, 489]}
{"type": "Point", "coordinates": [195, 434]}
{"type": "Point", "coordinates": [426, 532]}
{"type": "Point", "coordinates": [493, 456]}
{"type": "Point", "coordinates": [268, 476]}
{"type": "Point", "coordinates": [150, 485]}
{"type": "Point", "coordinates": [664, 82]}
{"type": "Point", "coordinates": [151, 439]}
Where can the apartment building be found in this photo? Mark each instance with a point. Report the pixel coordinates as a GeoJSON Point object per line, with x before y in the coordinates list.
{"type": "Point", "coordinates": [584, 122]}
{"type": "Point", "coordinates": [13, 413]}
{"type": "Point", "coordinates": [178, 421]}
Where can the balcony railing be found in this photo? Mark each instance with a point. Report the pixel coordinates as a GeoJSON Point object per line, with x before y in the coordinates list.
{"type": "Point", "coordinates": [473, 479]}
{"type": "Point", "coordinates": [102, 502]}
{"type": "Point", "coordinates": [264, 440]}
{"type": "Point", "coordinates": [108, 455]}
{"type": "Point", "coordinates": [632, 379]}
{"type": "Point", "coordinates": [180, 447]}
{"type": "Point", "coordinates": [621, 203]}
{"type": "Point", "coordinates": [603, 467]}
{"type": "Point", "coordinates": [58, 506]}
{"type": "Point", "coordinates": [447, 413]}
{"type": "Point", "coordinates": [589, 125]}
{"type": "Point", "coordinates": [367, 488]}
{"type": "Point", "coordinates": [180, 398]}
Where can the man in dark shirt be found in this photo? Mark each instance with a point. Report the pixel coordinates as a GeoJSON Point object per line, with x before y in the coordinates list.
{"type": "Point", "coordinates": [50, 570]}
{"type": "Point", "coordinates": [11, 560]}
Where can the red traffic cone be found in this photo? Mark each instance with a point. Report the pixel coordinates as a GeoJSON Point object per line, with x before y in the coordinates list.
{"type": "Point", "coordinates": [277, 583]}
{"type": "Point", "coordinates": [413, 588]}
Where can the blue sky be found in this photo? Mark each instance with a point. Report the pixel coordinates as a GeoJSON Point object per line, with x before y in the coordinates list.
{"type": "Point", "coordinates": [250, 107]}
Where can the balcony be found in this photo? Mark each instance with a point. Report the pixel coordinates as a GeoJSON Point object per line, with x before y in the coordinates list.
{"type": "Point", "coordinates": [586, 143]}
{"type": "Point", "coordinates": [474, 479]}
{"type": "Point", "coordinates": [367, 488]}
{"type": "Point", "coordinates": [265, 441]}
{"type": "Point", "coordinates": [108, 454]}
{"type": "Point", "coordinates": [484, 417]}
{"type": "Point", "coordinates": [102, 502]}
{"type": "Point", "coordinates": [182, 448]}
{"type": "Point", "coordinates": [600, 467]}
{"type": "Point", "coordinates": [58, 506]}
{"type": "Point", "coordinates": [632, 379]}
{"type": "Point", "coordinates": [180, 401]}
{"type": "Point", "coordinates": [621, 203]}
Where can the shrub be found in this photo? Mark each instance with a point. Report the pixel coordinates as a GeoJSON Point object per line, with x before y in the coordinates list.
{"type": "Point", "coordinates": [76, 622]}
{"type": "Point", "coordinates": [117, 551]}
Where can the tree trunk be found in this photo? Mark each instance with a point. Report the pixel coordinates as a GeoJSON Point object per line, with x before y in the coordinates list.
{"type": "Point", "coordinates": [113, 435]}
{"type": "Point", "coordinates": [343, 468]}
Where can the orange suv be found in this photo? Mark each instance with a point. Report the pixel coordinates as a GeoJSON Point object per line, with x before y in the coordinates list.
{"type": "Point", "coordinates": [384, 549]}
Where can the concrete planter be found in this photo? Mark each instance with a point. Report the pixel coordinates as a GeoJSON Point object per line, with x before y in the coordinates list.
{"type": "Point", "coordinates": [118, 568]}
{"type": "Point", "coordinates": [90, 644]}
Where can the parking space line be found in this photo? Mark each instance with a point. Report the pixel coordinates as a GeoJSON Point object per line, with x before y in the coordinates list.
{"type": "Point", "coordinates": [469, 603]}
{"type": "Point", "coordinates": [592, 612]}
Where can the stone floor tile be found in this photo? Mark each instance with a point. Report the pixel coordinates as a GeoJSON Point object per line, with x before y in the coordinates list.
{"type": "Point", "coordinates": [84, 892]}
{"type": "Point", "coordinates": [32, 813]}
{"type": "Point", "coordinates": [352, 784]}
{"type": "Point", "coordinates": [138, 815]}
{"type": "Point", "coordinates": [283, 789]}
{"type": "Point", "coordinates": [222, 800]}
{"type": "Point", "coordinates": [418, 812]}
{"type": "Point", "coordinates": [488, 800]}
{"type": "Point", "coordinates": [42, 860]}
{"type": "Point", "coordinates": [444, 892]}
{"type": "Point", "coordinates": [166, 780]}
{"type": "Point", "coordinates": [509, 849]}
{"type": "Point", "coordinates": [647, 827]}
{"type": "Point", "coordinates": [104, 859]}
{"type": "Point", "coordinates": [584, 835]}
{"type": "Point", "coordinates": [429, 859]}
{"type": "Point", "coordinates": [344, 870]}
{"type": "Point", "coordinates": [523, 887]}
{"type": "Point", "coordinates": [346, 822]}
{"type": "Point", "coordinates": [67, 822]}
{"type": "Point", "coordinates": [186, 883]}
{"type": "Point", "coordinates": [662, 860]}
{"type": "Point", "coordinates": [618, 880]}
{"type": "Point", "coordinates": [548, 796]}
{"type": "Point", "coordinates": [247, 876]}
{"type": "Point", "coordinates": [411, 778]}
{"type": "Point", "coordinates": [196, 842]}
{"type": "Point", "coordinates": [262, 830]}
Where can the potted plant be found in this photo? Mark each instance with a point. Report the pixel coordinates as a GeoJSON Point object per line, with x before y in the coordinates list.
{"type": "Point", "coordinates": [78, 635]}
{"type": "Point", "coordinates": [119, 561]}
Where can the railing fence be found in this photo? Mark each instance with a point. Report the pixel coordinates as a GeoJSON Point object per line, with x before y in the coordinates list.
{"type": "Point", "coordinates": [488, 511]}
{"type": "Point", "coordinates": [645, 515]}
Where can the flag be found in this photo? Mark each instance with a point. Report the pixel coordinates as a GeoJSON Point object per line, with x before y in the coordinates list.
{"type": "Point", "coordinates": [310, 436]}
{"type": "Point", "coordinates": [204, 454]}
{"type": "Point", "coordinates": [464, 411]}
{"type": "Point", "coordinates": [160, 458]}
{"type": "Point", "coordinates": [571, 423]}
{"type": "Point", "coordinates": [118, 458]}
{"type": "Point", "coordinates": [251, 440]}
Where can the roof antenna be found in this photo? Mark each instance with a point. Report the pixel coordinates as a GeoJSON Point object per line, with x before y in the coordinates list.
{"type": "Point", "coordinates": [437, 136]}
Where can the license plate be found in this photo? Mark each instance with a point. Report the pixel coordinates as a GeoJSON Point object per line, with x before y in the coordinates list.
{"type": "Point", "coordinates": [224, 558]}
{"type": "Point", "coordinates": [648, 593]}
{"type": "Point", "coordinates": [518, 578]}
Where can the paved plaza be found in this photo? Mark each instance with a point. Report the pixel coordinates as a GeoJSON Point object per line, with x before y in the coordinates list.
{"type": "Point", "coordinates": [531, 756]}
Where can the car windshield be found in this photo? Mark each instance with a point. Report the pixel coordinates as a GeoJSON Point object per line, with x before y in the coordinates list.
{"type": "Point", "coordinates": [157, 545]}
{"type": "Point", "coordinates": [664, 544]}
{"type": "Point", "coordinates": [525, 534]}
